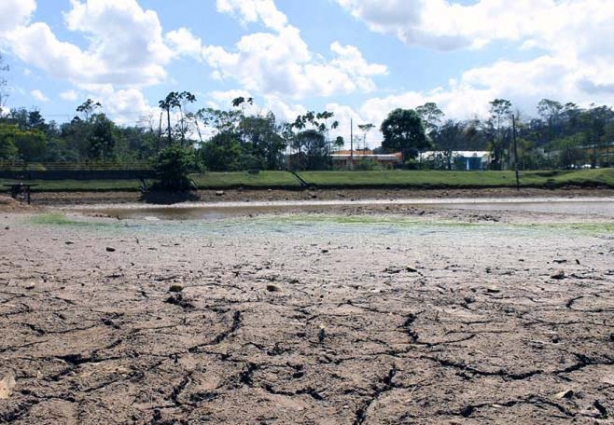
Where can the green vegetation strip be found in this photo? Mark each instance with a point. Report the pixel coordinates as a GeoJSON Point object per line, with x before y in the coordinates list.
{"type": "Point", "coordinates": [59, 219]}
{"type": "Point", "coordinates": [259, 180]}
{"type": "Point", "coordinates": [351, 179]}
{"type": "Point", "coordinates": [78, 185]}
{"type": "Point", "coordinates": [459, 179]}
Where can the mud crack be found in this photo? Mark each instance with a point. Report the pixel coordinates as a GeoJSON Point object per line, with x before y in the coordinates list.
{"type": "Point", "coordinates": [362, 412]}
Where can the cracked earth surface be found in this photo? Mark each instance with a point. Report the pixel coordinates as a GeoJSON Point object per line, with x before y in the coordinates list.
{"type": "Point", "coordinates": [337, 319]}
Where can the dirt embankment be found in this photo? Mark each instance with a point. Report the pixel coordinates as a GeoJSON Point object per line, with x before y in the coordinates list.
{"type": "Point", "coordinates": [80, 198]}
{"type": "Point", "coordinates": [8, 204]}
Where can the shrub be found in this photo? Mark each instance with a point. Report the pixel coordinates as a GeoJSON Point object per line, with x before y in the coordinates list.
{"type": "Point", "coordinates": [172, 167]}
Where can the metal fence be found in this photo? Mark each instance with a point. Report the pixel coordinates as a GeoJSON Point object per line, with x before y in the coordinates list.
{"type": "Point", "coordinates": [74, 170]}
{"type": "Point", "coordinates": [73, 166]}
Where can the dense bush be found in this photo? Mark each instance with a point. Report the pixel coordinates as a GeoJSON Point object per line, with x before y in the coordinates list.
{"type": "Point", "coordinates": [172, 167]}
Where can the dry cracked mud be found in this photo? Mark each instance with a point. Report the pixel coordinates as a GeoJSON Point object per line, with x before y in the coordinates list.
{"type": "Point", "coordinates": [339, 318]}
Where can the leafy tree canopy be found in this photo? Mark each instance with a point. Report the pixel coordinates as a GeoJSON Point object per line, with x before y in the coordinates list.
{"type": "Point", "coordinates": [403, 131]}
{"type": "Point", "coordinates": [173, 165]}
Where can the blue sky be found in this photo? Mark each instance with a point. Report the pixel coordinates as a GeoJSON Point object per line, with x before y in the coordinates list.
{"type": "Point", "coordinates": [357, 58]}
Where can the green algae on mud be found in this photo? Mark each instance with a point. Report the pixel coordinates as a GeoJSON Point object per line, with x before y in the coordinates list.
{"type": "Point", "coordinates": [62, 220]}
{"type": "Point", "coordinates": [327, 223]}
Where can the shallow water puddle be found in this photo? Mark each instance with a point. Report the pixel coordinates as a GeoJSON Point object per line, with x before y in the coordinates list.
{"type": "Point", "coordinates": [603, 207]}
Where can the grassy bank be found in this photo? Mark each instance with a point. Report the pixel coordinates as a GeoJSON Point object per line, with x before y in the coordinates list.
{"type": "Point", "coordinates": [353, 180]}
{"type": "Point", "coordinates": [460, 179]}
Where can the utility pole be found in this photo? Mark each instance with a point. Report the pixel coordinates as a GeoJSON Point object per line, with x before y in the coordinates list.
{"type": "Point", "coordinates": [351, 143]}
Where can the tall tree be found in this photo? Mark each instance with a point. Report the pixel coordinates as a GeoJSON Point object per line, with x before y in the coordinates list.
{"type": "Point", "coordinates": [498, 127]}
{"type": "Point", "coordinates": [571, 115]}
{"type": "Point", "coordinates": [260, 137]}
{"type": "Point", "coordinates": [102, 138]}
{"type": "Point", "coordinates": [182, 100]}
{"type": "Point", "coordinates": [403, 131]}
{"type": "Point", "coordinates": [594, 123]}
{"type": "Point", "coordinates": [450, 138]}
{"type": "Point", "coordinates": [317, 150]}
{"type": "Point", "coordinates": [21, 144]}
{"type": "Point", "coordinates": [166, 104]}
{"type": "Point", "coordinates": [550, 111]}
{"type": "Point", "coordinates": [241, 101]}
{"type": "Point", "coordinates": [432, 116]}
{"type": "Point", "coordinates": [365, 128]}
{"type": "Point", "coordinates": [3, 85]}
{"type": "Point", "coordinates": [27, 119]}
{"type": "Point", "coordinates": [88, 108]}
{"type": "Point", "coordinates": [301, 136]}
{"type": "Point", "coordinates": [222, 152]}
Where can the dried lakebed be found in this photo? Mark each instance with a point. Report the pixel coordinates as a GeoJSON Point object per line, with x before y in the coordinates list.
{"type": "Point", "coordinates": [419, 316]}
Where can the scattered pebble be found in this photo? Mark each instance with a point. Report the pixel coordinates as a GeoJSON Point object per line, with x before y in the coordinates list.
{"type": "Point", "coordinates": [6, 386]}
{"type": "Point", "coordinates": [558, 275]}
{"type": "Point", "coordinates": [273, 288]}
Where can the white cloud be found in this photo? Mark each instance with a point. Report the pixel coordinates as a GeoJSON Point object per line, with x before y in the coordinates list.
{"type": "Point", "coordinates": [14, 13]}
{"type": "Point", "coordinates": [69, 95]}
{"type": "Point", "coordinates": [446, 25]}
{"type": "Point", "coordinates": [223, 99]}
{"type": "Point", "coordinates": [128, 106]}
{"type": "Point", "coordinates": [39, 95]}
{"type": "Point", "coordinates": [183, 42]}
{"type": "Point", "coordinates": [572, 42]}
{"type": "Point", "coordinates": [284, 111]}
{"type": "Point", "coordinates": [253, 11]}
{"type": "Point", "coordinates": [125, 45]}
{"type": "Point", "coordinates": [123, 35]}
{"type": "Point", "coordinates": [280, 62]}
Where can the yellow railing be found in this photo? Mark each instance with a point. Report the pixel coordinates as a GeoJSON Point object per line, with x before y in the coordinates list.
{"type": "Point", "coordinates": [72, 166]}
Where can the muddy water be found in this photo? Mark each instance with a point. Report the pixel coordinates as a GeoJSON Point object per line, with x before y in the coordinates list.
{"type": "Point", "coordinates": [601, 207]}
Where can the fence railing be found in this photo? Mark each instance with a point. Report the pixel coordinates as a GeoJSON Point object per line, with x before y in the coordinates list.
{"type": "Point", "coordinates": [73, 166]}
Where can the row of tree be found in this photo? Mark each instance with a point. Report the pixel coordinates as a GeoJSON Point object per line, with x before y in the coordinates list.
{"type": "Point", "coordinates": [561, 136]}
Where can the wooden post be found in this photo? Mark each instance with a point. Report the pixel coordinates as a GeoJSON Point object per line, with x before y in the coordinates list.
{"type": "Point", "coordinates": [351, 143]}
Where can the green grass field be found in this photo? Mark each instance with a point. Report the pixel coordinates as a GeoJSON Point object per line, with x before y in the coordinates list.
{"type": "Point", "coordinates": [353, 179]}
{"type": "Point", "coordinates": [459, 179]}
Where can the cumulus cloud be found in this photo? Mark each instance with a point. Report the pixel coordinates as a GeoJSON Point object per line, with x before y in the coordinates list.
{"type": "Point", "coordinates": [69, 95]}
{"type": "Point", "coordinates": [571, 43]}
{"type": "Point", "coordinates": [253, 11]}
{"type": "Point", "coordinates": [446, 25]}
{"type": "Point", "coordinates": [14, 13]}
{"type": "Point", "coordinates": [279, 62]}
{"type": "Point", "coordinates": [125, 44]}
{"type": "Point", "coordinates": [39, 95]}
{"type": "Point", "coordinates": [128, 106]}
{"type": "Point", "coordinates": [183, 42]}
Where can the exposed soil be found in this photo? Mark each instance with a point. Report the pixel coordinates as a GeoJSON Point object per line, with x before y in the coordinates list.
{"type": "Point", "coordinates": [79, 198]}
{"type": "Point", "coordinates": [415, 317]}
